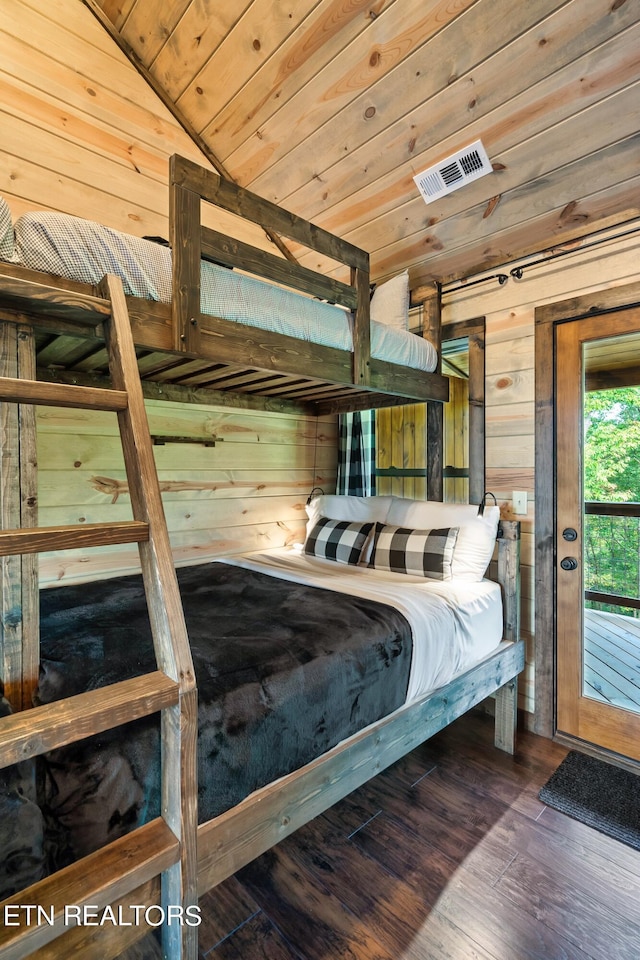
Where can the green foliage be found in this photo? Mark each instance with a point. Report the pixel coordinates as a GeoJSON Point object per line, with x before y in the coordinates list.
{"type": "Point", "coordinates": [612, 474]}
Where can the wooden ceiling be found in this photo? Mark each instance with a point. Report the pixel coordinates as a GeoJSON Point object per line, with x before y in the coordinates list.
{"type": "Point", "coordinates": [330, 107]}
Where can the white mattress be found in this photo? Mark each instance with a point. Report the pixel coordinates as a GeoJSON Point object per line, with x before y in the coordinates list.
{"type": "Point", "coordinates": [454, 623]}
{"type": "Point", "coordinates": [82, 250]}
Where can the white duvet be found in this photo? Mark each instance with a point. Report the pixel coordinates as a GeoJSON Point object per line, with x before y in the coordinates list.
{"type": "Point", "coordinates": [454, 623]}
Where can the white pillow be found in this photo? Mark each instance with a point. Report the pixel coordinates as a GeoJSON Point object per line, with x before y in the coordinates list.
{"type": "Point", "coordinates": [353, 509]}
{"type": "Point", "coordinates": [6, 231]}
{"type": "Point", "coordinates": [476, 534]}
{"type": "Point", "coordinates": [390, 302]}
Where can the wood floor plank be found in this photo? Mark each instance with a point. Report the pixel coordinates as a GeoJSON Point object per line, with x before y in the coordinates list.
{"type": "Point", "coordinates": [313, 919]}
{"type": "Point", "coordinates": [257, 939]}
{"type": "Point", "coordinates": [583, 920]}
{"type": "Point", "coordinates": [447, 855]}
{"type": "Point", "coordinates": [223, 910]}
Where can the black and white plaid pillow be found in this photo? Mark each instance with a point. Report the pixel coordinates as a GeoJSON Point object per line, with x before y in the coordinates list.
{"type": "Point", "coordinates": [338, 540]}
{"type": "Point", "coordinates": [421, 553]}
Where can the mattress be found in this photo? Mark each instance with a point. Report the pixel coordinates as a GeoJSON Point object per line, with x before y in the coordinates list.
{"type": "Point", "coordinates": [321, 651]}
{"type": "Point", "coordinates": [454, 623]}
{"type": "Point", "coordinates": [82, 250]}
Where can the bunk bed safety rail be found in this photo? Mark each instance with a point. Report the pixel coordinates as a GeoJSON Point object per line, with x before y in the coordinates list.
{"type": "Point", "coordinates": [191, 241]}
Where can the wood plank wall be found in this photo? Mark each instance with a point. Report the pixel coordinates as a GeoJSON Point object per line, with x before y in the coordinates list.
{"type": "Point", "coordinates": [83, 134]}
{"type": "Point", "coordinates": [510, 386]}
{"type": "Point", "coordinates": [248, 492]}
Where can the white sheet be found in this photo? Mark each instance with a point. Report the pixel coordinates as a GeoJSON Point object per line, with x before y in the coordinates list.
{"type": "Point", "coordinates": [454, 623]}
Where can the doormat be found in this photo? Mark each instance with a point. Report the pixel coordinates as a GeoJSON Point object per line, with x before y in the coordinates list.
{"type": "Point", "coordinates": [598, 794]}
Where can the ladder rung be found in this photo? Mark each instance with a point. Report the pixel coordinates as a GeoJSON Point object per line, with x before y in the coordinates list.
{"type": "Point", "coordinates": [52, 725]}
{"type": "Point", "coordinates": [93, 883]}
{"type": "Point", "coordinates": [61, 394]}
{"type": "Point", "coordinates": [76, 537]}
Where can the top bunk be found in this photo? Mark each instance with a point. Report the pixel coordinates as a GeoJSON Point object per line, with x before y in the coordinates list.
{"type": "Point", "coordinates": [216, 314]}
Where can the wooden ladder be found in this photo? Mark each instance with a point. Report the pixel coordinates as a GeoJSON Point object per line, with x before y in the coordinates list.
{"type": "Point", "coordinates": [155, 864]}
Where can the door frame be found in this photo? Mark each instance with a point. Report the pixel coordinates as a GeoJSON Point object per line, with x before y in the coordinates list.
{"type": "Point", "coordinates": [603, 301]}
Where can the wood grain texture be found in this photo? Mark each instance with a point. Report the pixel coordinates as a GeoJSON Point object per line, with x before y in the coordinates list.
{"type": "Point", "coordinates": [94, 882]}
{"type": "Point", "coordinates": [458, 858]}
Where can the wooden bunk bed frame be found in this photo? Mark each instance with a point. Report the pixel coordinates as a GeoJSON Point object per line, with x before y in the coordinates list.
{"type": "Point", "coordinates": [177, 344]}
{"type": "Point", "coordinates": [171, 860]}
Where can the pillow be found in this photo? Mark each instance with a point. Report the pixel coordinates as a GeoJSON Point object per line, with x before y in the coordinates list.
{"type": "Point", "coordinates": [421, 553]}
{"type": "Point", "coordinates": [476, 534]}
{"type": "Point", "coordinates": [346, 507]}
{"type": "Point", "coordinates": [6, 231]}
{"type": "Point", "coordinates": [390, 302]}
{"type": "Point", "coordinates": [337, 540]}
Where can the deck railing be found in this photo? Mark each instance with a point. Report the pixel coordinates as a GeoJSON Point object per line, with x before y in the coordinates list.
{"type": "Point", "coordinates": [612, 557]}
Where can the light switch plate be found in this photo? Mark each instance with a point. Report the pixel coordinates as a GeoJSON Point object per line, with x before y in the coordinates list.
{"type": "Point", "coordinates": [519, 502]}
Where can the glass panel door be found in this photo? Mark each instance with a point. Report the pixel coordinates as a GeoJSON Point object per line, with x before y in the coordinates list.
{"type": "Point", "coordinates": [597, 413]}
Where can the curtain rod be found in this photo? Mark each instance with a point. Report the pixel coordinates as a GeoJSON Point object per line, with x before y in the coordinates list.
{"type": "Point", "coordinates": [518, 272]}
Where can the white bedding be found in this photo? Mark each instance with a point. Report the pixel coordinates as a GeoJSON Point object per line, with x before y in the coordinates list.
{"type": "Point", "coordinates": [82, 250]}
{"type": "Point", "coordinates": [454, 623]}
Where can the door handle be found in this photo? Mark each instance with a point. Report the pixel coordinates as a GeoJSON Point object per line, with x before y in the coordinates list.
{"type": "Point", "coordinates": [569, 563]}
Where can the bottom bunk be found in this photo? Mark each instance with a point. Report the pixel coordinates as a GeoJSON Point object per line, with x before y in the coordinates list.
{"type": "Point", "coordinates": [304, 692]}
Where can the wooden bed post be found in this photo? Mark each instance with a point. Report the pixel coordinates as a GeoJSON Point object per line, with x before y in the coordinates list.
{"type": "Point", "coordinates": [19, 637]}
{"type": "Point", "coordinates": [506, 698]}
{"type": "Point", "coordinates": [430, 298]}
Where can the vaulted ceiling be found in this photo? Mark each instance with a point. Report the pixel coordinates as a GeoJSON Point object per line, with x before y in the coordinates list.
{"type": "Point", "coordinates": [330, 107]}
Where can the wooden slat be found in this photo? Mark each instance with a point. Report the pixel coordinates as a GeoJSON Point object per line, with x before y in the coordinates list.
{"type": "Point", "coordinates": [39, 539]}
{"type": "Point", "coordinates": [56, 395]}
{"type": "Point", "coordinates": [35, 731]}
{"type": "Point", "coordinates": [24, 288]}
{"type": "Point", "coordinates": [220, 248]}
{"type": "Point", "coordinates": [91, 883]}
{"type": "Point", "coordinates": [29, 500]}
{"type": "Point", "coordinates": [238, 836]}
{"type": "Point", "coordinates": [250, 206]}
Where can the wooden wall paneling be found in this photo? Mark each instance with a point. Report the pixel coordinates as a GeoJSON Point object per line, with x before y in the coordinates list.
{"type": "Point", "coordinates": [210, 76]}
{"type": "Point", "coordinates": [139, 20]}
{"type": "Point", "coordinates": [314, 51]}
{"type": "Point", "coordinates": [106, 135]}
{"type": "Point", "coordinates": [341, 90]}
{"type": "Point", "coordinates": [511, 184]}
{"type": "Point", "coordinates": [245, 493]}
{"type": "Point", "coordinates": [536, 107]}
{"type": "Point", "coordinates": [456, 438]}
{"type": "Point", "coordinates": [408, 449]}
{"type": "Point", "coordinates": [198, 34]}
{"type": "Point", "coordinates": [476, 441]}
{"type": "Point", "coordinates": [516, 222]}
{"type": "Point", "coordinates": [397, 449]}
{"type": "Point", "coordinates": [383, 449]}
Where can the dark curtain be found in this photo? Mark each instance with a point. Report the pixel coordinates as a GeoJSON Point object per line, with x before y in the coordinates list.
{"type": "Point", "coordinates": [357, 453]}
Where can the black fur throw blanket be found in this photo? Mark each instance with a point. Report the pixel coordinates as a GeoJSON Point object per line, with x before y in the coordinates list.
{"type": "Point", "coordinates": [284, 672]}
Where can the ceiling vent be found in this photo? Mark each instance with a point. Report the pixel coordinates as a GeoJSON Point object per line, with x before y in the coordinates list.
{"type": "Point", "coordinates": [454, 172]}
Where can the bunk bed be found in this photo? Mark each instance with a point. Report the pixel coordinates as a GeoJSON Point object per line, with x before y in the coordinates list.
{"type": "Point", "coordinates": [138, 339]}
{"type": "Point", "coordinates": [293, 334]}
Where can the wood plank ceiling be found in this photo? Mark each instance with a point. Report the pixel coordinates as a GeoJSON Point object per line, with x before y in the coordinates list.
{"type": "Point", "coordinates": [330, 107]}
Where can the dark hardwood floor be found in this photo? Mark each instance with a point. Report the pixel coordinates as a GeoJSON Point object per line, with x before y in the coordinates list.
{"type": "Point", "coordinates": [448, 855]}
